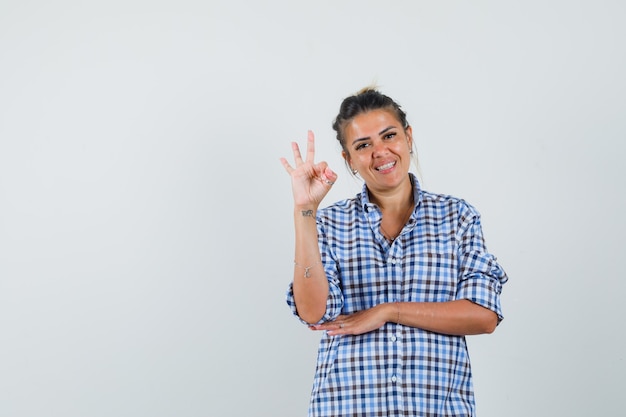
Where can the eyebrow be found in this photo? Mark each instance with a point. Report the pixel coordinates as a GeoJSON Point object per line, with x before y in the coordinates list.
{"type": "Point", "coordinates": [382, 132]}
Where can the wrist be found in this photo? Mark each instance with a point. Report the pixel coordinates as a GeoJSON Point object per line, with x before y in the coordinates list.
{"type": "Point", "coordinates": [305, 211]}
{"type": "Point", "coordinates": [386, 312]}
{"type": "Point", "coordinates": [393, 312]}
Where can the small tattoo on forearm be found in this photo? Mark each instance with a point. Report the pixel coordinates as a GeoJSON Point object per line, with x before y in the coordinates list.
{"type": "Point", "coordinates": [307, 213]}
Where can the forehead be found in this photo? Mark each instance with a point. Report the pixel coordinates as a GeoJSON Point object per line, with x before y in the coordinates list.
{"type": "Point", "coordinates": [370, 124]}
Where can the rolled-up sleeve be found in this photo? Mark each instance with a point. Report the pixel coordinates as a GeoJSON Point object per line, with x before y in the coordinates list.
{"type": "Point", "coordinates": [334, 302]}
{"type": "Point", "coordinates": [480, 276]}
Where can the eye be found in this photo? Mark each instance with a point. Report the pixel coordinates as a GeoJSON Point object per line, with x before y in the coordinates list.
{"type": "Point", "coordinates": [390, 135]}
{"type": "Point", "coordinates": [361, 146]}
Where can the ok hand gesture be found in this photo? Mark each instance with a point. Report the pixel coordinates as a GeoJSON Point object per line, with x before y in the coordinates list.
{"type": "Point", "coordinates": [310, 182]}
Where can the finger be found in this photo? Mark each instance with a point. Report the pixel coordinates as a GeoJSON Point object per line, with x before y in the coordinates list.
{"type": "Point", "coordinates": [339, 328]}
{"type": "Point", "coordinates": [310, 147]}
{"type": "Point", "coordinates": [296, 153]}
{"type": "Point", "coordinates": [330, 174]}
{"type": "Point", "coordinates": [286, 165]}
{"type": "Point", "coordinates": [330, 325]}
{"type": "Point", "coordinates": [326, 182]}
{"type": "Point", "coordinates": [326, 175]}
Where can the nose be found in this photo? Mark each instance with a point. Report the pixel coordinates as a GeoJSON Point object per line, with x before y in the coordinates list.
{"type": "Point", "coordinates": [379, 148]}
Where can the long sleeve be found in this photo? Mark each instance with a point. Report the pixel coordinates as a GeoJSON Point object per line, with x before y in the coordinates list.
{"type": "Point", "coordinates": [480, 276]}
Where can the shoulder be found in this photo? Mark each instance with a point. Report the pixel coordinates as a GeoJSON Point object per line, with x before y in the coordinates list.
{"type": "Point", "coordinates": [448, 204]}
{"type": "Point", "coordinates": [341, 206]}
{"type": "Point", "coordinates": [339, 211]}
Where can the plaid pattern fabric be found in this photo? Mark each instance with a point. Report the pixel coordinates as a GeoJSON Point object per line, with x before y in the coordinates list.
{"type": "Point", "coordinates": [397, 370]}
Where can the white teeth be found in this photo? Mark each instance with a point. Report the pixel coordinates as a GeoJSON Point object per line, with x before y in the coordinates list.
{"type": "Point", "coordinates": [386, 166]}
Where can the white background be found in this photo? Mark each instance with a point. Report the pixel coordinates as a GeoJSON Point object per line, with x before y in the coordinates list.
{"type": "Point", "coordinates": [145, 220]}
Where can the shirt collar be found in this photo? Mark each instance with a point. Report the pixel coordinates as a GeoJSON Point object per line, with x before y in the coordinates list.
{"type": "Point", "coordinates": [368, 206]}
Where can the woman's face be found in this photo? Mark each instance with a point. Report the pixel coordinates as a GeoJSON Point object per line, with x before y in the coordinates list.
{"type": "Point", "coordinates": [379, 148]}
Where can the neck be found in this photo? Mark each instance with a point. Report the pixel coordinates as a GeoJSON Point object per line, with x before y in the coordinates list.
{"type": "Point", "coordinates": [395, 200]}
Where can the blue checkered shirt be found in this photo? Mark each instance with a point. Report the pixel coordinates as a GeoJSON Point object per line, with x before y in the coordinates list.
{"type": "Point", "coordinates": [398, 370]}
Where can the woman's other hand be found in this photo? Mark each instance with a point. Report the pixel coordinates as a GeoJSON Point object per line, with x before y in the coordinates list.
{"type": "Point", "coordinates": [358, 323]}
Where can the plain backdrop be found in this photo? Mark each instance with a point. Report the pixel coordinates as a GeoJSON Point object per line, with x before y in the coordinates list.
{"type": "Point", "coordinates": [146, 238]}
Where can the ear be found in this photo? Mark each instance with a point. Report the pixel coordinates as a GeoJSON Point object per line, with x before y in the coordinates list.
{"type": "Point", "coordinates": [409, 136]}
{"type": "Point", "coordinates": [345, 156]}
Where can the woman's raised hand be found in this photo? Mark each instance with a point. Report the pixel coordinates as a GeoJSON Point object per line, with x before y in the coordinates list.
{"type": "Point", "coordinates": [310, 182]}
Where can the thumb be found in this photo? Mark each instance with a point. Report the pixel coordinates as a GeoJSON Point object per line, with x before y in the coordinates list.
{"type": "Point", "coordinates": [329, 175]}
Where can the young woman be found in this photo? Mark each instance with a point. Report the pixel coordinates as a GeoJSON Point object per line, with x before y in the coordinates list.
{"type": "Point", "coordinates": [395, 277]}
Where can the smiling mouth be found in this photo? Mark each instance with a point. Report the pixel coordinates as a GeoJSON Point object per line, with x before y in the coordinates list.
{"type": "Point", "coordinates": [386, 166]}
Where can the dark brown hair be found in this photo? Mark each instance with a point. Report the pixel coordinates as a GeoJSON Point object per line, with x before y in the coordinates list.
{"type": "Point", "coordinates": [367, 99]}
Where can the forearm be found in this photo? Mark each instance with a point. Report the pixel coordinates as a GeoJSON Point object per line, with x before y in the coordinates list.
{"type": "Point", "coordinates": [459, 317]}
{"type": "Point", "coordinates": [310, 285]}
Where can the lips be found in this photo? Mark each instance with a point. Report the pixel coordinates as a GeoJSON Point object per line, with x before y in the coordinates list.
{"type": "Point", "coordinates": [386, 166]}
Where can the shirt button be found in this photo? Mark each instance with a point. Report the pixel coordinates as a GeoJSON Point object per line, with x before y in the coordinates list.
{"type": "Point", "coordinates": [394, 379]}
{"type": "Point", "coordinates": [394, 338]}
{"type": "Point", "coordinates": [392, 261]}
